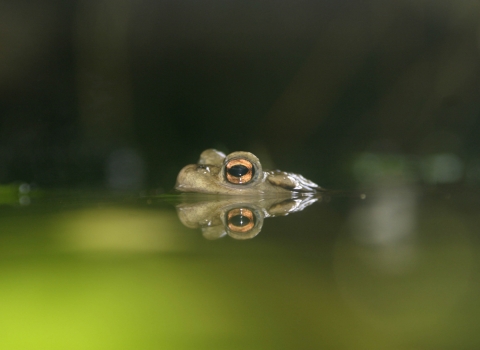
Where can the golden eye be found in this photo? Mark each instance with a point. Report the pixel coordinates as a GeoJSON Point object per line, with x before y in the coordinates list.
{"type": "Point", "coordinates": [239, 171]}
{"type": "Point", "coordinates": [240, 220]}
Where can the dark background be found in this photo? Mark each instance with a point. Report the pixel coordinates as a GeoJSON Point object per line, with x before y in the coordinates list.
{"type": "Point", "coordinates": [123, 93]}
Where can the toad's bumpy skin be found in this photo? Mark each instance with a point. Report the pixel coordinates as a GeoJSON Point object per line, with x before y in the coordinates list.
{"type": "Point", "coordinates": [239, 173]}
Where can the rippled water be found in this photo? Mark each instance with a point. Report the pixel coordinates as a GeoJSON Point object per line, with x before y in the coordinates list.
{"type": "Point", "coordinates": [392, 268]}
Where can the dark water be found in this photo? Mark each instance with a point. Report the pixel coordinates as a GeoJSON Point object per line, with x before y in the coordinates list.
{"type": "Point", "coordinates": [395, 268]}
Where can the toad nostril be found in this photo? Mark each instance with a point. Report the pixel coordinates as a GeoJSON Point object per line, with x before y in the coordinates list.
{"type": "Point", "coordinates": [203, 169]}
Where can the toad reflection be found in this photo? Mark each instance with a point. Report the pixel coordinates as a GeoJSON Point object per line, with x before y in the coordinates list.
{"type": "Point", "coordinates": [238, 218]}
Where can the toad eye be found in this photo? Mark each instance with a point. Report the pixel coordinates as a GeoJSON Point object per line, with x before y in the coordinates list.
{"type": "Point", "coordinates": [240, 220]}
{"type": "Point", "coordinates": [239, 171]}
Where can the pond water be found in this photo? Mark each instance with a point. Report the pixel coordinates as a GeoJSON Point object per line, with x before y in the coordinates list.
{"type": "Point", "coordinates": [389, 268]}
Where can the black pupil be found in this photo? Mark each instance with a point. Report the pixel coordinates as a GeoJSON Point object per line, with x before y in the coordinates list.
{"type": "Point", "coordinates": [239, 220]}
{"type": "Point", "coordinates": [238, 170]}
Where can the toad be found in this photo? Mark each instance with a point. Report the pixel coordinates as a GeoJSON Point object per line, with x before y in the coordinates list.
{"type": "Point", "coordinates": [240, 173]}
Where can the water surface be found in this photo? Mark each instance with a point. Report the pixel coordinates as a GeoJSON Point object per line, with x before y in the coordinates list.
{"type": "Point", "coordinates": [392, 268]}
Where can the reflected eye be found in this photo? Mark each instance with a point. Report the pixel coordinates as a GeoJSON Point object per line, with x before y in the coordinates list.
{"type": "Point", "coordinates": [240, 220]}
{"type": "Point", "coordinates": [239, 171]}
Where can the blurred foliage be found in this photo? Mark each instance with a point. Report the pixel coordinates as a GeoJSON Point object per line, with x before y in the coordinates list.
{"type": "Point", "coordinates": [309, 85]}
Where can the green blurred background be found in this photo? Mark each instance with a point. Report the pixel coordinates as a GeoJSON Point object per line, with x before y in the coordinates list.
{"type": "Point", "coordinates": [120, 94]}
{"type": "Point", "coordinates": [90, 90]}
